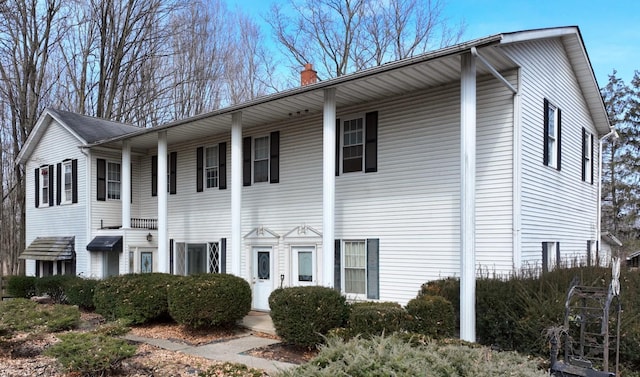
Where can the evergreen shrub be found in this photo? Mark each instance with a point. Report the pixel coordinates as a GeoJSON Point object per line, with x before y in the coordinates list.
{"type": "Point", "coordinates": [21, 286]}
{"type": "Point", "coordinates": [54, 286]}
{"type": "Point", "coordinates": [79, 291]}
{"type": "Point", "coordinates": [432, 316]}
{"type": "Point", "coordinates": [303, 315]}
{"type": "Point", "coordinates": [208, 300]}
{"type": "Point", "coordinates": [376, 318]}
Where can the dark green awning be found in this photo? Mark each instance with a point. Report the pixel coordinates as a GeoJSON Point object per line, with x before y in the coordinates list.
{"type": "Point", "coordinates": [50, 249]}
{"type": "Point", "coordinates": [106, 243]}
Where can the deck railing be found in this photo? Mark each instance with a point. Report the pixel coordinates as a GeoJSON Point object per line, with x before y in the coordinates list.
{"type": "Point", "coordinates": [136, 223]}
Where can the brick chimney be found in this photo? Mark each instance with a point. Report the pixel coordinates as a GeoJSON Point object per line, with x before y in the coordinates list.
{"type": "Point", "coordinates": [308, 75]}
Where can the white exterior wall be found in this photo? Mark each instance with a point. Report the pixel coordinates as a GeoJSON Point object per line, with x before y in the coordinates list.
{"type": "Point", "coordinates": [64, 220]}
{"type": "Point", "coordinates": [557, 206]}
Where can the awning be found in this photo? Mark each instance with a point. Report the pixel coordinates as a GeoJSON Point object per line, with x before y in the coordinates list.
{"type": "Point", "coordinates": [50, 249]}
{"type": "Point", "coordinates": [106, 243]}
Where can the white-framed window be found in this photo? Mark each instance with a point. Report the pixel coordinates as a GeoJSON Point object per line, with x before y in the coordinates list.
{"type": "Point", "coordinates": [197, 258]}
{"type": "Point", "coordinates": [352, 144]}
{"type": "Point", "coordinates": [355, 267]}
{"type": "Point", "coordinates": [67, 182]}
{"type": "Point", "coordinates": [587, 156]}
{"type": "Point", "coordinates": [211, 166]}
{"type": "Point", "coordinates": [552, 135]}
{"type": "Point", "coordinates": [44, 184]}
{"type": "Point", "coordinates": [261, 159]}
{"type": "Point", "coordinates": [113, 180]}
{"type": "Point", "coordinates": [550, 256]}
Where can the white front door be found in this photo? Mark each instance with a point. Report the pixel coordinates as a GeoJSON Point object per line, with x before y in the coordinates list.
{"type": "Point", "coordinates": [262, 277]}
{"type": "Point", "coordinates": [303, 266]}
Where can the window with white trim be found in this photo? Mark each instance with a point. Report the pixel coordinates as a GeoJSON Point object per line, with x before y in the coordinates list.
{"type": "Point", "coordinates": [355, 267]}
{"type": "Point", "coordinates": [550, 255]}
{"type": "Point", "coordinates": [113, 180]}
{"type": "Point", "coordinates": [211, 166]}
{"type": "Point", "coordinates": [587, 156]}
{"type": "Point", "coordinates": [552, 136]}
{"type": "Point", "coordinates": [67, 182]}
{"type": "Point", "coordinates": [44, 184]}
{"type": "Point", "coordinates": [261, 159]}
{"type": "Point", "coordinates": [197, 258]}
{"type": "Point", "coordinates": [352, 144]}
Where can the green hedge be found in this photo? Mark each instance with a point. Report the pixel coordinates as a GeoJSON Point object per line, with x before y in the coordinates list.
{"type": "Point", "coordinates": [209, 300]}
{"type": "Point", "coordinates": [377, 318]}
{"type": "Point", "coordinates": [432, 316]}
{"type": "Point", "coordinates": [80, 291]}
{"type": "Point", "coordinates": [54, 286]}
{"type": "Point", "coordinates": [21, 286]}
{"type": "Point", "coordinates": [302, 315]}
{"type": "Point", "coordinates": [140, 298]}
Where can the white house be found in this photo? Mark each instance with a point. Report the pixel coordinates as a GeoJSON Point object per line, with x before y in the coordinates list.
{"type": "Point", "coordinates": [480, 155]}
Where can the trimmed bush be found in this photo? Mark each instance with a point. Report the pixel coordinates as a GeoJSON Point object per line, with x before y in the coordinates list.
{"type": "Point", "coordinates": [140, 298]}
{"type": "Point", "coordinates": [208, 300]}
{"type": "Point", "coordinates": [432, 316]}
{"type": "Point", "coordinates": [376, 318]}
{"type": "Point", "coordinates": [21, 286]}
{"type": "Point", "coordinates": [302, 315]}
{"type": "Point", "coordinates": [25, 315]}
{"type": "Point", "coordinates": [90, 354]}
{"type": "Point", "coordinates": [79, 291]}
{"type": "Point", "coordinates": [54, 286]}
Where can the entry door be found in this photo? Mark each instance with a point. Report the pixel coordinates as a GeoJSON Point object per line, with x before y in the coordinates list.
{"type": "Point", "coordinates": [262, 277]}
{"type": "Point", "coordinates": [304, 265]}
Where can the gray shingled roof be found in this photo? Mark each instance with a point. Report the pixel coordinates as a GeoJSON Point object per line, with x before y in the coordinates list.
{"type": "Point", "coordinates": [92, 129]}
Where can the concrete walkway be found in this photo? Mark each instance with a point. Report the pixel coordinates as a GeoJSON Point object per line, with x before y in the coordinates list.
{"type": "Point", "coordinates": [231, 350]}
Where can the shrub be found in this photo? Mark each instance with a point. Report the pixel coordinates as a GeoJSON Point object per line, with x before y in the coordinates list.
{"type": "Point", "coordinates": [140, 298]}
{"type": "Point", "coordinates": [80, 292]}
{"type": "Point", "coordinates": [391, 356]}
{"type": "Point", "coordinates": [209, 300]}
{"type": "Point", "coordinates": [432, 316]}
{"type": "Point", "coordinates": [114, 328]}
{"type": "Point", "coordinates": [25, 315]}
{"type": "Point", "coordinates": [54, 286]}
{"type": "Point", "coordinates": [376, 318]}
{"type": "Point", "coordinates": [90, 354]}
{"type": "Point", "coordinates": [302, 315]}
{"type": "Point", "coordinates": [232, 370]}
{"type": "Point", "coordinates": [21, 286]}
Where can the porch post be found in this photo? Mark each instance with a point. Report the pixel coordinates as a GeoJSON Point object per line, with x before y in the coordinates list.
{"type": "Point", "coordinates": [236, 192]}
{"type": "Point", "coordinates": [328, 185]}
{"type": "Point", "coordinates": [125, 191]}
{"type": "Point", "coordinates": [163, 226]}
{"type": "Point", "coordinates": [467, 198]}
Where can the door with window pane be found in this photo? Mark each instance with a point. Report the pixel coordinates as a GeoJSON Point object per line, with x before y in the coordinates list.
{"type": "Point", "coordinates": [262, 277]}
{"type": "Point", "coordinates": [303, 265]}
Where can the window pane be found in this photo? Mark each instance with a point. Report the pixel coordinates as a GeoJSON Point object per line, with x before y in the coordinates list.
{"type": "Point", "coordinates": [262, 148]}
{"type": "Point", "coordinates": [146, 262]}
{"type": "Point", "coordinates": [261, 171]}
{"type": "Point", "coordinates": [211, 159]}
{"type": "Point", "coordinates": [305, 266]}
{"type": "Point", "coordinates": [355, 261]}
{"type": "Point", "coordinates": [196, 259]}
{"type": "Point", "coordinates": [214, 258]}
{"type": "Point", "coordinates": [44, 173]}
{"type": "Point", "coordinates": [264, 265]}
{"type": "Point", "coordinates": [67, 181]}
{"type": "Point", "coordinates": [113, 180]}
{"type": "Point", "coordinates": [212, 177]}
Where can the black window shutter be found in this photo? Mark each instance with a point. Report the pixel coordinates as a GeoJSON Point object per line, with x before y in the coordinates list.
{"type": "Point", "coordinates": [37, 187]}
{"type": "Point", "coordinates": [559, 140]}
{"type": "Point", "coordinates": [373, 269]}
{"type": "Point", "coordinates": [558, 254]}
{"type": "Point", "coordinates": [173, 169]}
{"type": "Point", "coordinates": [101, 179]}
{"type": "Point", "coordinates": [51, 183]}
{"type": "Point", "coordinates": [592, 157]}
{"type": "Point", "coordinates": [338, 138]}
{"type": "Point", "coordinates": [584, 152]}
{"type": "Point", "coordinates": [74, 181]}
{"type": "Point", "coordinates": [545, 257]}
{"type": "Point", "coordinates": [545, 130]}
{"type": "Point", "coordinates": [58, 183]}
{"type": "Point", "coordinates": [131, 182]}
{"type": "Point", "coordinates": [200, 169]}
{"type": "Point", "coordinates": [170, 256]}
{"type": "Point", "coordinates": [588, 252]}
{"type": "Point", "coordinates": [274, 160]}
{"type": "Point", "coordinates": [154, 175]}
{"type": "Point", "coordinates": [222, 166]}
{"type": "Point", "coordinates": [371, 143]}
{"type": "Point", "coordinates": [337, 266]}
{"type": "Point", "coordinates": [246, 161]}
{"type": "Point", "coordinates": [223, 256]}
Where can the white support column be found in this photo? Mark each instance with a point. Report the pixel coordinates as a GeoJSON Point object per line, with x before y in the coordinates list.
{"type": "Point", "coordinates": [125, 192]}
{"type": "Point", "coordinates": [163, 212]}
{"type": "Point", "coordinates": [468, 198]}
{"type": "Point", "coordinates": [328, 185]}
{"type": "Point", "coordinates": [236, 193]}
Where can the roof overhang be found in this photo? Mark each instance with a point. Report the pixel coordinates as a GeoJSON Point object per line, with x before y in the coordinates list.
{"type": "Point", "coordinates": [106, 244]}
{"type": "Point", "coordinates": [50, 249]}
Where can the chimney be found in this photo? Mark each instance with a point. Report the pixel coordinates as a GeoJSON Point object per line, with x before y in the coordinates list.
{"type": "Point", "coordinates": [308, 75]}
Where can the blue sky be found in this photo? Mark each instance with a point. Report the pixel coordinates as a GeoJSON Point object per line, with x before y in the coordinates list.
{"type": "Point", "coordinates": [610, 29]}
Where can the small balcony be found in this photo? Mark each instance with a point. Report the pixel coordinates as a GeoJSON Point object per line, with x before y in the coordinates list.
{"type": "Point", "coordinates": [136, 223]}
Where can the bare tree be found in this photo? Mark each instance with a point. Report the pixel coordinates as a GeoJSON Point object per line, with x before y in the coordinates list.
{"type": "Point", "coordinates": [343, 36]}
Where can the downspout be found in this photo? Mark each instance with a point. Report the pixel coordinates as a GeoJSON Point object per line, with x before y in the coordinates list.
{"type": "Point", "coordinates": [612, 132]}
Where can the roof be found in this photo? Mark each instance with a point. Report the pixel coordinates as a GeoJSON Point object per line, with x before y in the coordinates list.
{"type": "Point", "coordinates": [86, 129]}
{"type": "Point", "coordinates": [393, 79]}
{"type": "Point", "coordinates": [50, 249]}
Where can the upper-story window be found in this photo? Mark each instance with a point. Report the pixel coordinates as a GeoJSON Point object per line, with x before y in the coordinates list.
{"type": "Point", "coordinates": [211, 166]}
{"type": "Point", "coordinates": [357, 143]}
{"type": "Point", "coordinates": [113, 180]}
{"type": "Point", "coordinates": [44, 184]}
{"type": "Point", "coordinates": [261, 159]}
{"type": "Point", "coordinates": [352, 145]}
{"type": "Point", "coordinates": [552, 135]}
{"type": "Point", "coordinates": [587, 156]}
{"type": "Point", "coordinates": [67, 182]}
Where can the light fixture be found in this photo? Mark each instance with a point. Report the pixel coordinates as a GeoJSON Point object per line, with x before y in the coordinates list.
{"type": "Point", "coordinates": [149, 237]}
